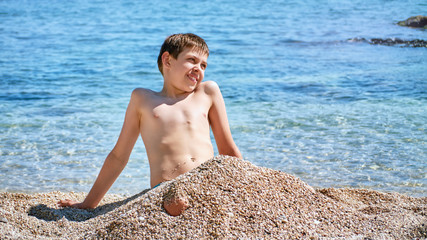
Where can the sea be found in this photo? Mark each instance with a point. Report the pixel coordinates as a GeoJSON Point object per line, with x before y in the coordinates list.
{"type": "Point", "coordinates": [303, 94]}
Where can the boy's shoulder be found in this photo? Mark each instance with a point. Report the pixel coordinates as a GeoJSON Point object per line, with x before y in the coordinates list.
{"type": "Point", "coordinates": [209, 87]}
{"type": "Point", "coordinates": [142, 95]}
{"type": "Point", "coordinates": [142, 92]}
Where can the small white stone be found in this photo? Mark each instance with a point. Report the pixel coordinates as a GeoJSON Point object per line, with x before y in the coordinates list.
{"type": "Point", "coordinates": [3, 220]}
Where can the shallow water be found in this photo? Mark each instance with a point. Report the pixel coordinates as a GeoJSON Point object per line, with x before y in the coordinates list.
{"type": "Point", "coordinates": [301, 97]}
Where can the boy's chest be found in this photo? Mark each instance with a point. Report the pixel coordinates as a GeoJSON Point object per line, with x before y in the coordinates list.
{"type": "Point", "coordinates": [180, 114]}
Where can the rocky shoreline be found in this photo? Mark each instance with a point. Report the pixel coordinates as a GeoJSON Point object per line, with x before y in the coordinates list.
{"type": "Point", "coordinates": [229, 198]}
{"type": "Point", "coordinates": [419, 22]}
{"type": "Point", "coordinates": [392, 42]}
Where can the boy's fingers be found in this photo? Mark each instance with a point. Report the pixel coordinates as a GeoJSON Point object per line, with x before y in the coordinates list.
{"type": "Point", "coordinates": [65, 203]}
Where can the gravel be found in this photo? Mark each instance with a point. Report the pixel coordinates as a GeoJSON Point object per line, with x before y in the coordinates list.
{"type": "Point", "coordinates": [228, 198]}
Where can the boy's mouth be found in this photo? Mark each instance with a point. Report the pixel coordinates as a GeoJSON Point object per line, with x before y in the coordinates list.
{"type": "Point", "coordinates": [192, 78]}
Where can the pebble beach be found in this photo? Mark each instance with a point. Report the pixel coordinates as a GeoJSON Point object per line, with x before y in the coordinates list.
{"type": "Point", "coordinates": [229, 198]}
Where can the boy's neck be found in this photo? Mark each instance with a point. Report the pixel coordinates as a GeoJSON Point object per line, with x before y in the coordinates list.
{"type": "Point", "coordinates": [171, 92]}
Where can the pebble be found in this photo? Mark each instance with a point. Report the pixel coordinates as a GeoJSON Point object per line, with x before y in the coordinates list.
{"type": "Point", "coordinates": [228, 199]}
{"type": "Point", "coordinates": [3, 220]}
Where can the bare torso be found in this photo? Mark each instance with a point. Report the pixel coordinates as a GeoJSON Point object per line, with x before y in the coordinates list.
{"type": "Point", "coordinates": [174, 124]}
{"type": "Point", "coordinates": [175, 132]}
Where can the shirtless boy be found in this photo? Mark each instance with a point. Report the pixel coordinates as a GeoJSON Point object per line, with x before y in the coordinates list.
{"type": "Point", "coordinates": [174, 123]}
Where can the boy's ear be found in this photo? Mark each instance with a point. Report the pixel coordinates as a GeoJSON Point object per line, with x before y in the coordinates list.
{"type": "Point", "coordinates": [166, 59]}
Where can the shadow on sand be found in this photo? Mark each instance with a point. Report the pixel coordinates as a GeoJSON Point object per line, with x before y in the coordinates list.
{"type": "Point", "coordinates": [43, 212]}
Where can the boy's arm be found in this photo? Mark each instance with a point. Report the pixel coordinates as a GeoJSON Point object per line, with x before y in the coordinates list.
{"type": "Point", "coordinates": [219, 122]}
{"type": "Point", "coordinates": [116, 160]}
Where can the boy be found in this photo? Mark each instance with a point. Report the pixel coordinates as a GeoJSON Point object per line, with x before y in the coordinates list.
{"type": "Point", "coordinates": [173, 123]}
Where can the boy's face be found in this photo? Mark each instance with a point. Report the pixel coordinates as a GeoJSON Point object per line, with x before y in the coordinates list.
{"type": "Point", "coordinates": [188, 69]}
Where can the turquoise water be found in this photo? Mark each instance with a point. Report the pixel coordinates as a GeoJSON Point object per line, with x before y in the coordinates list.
{"type": "Point", "coordinates": [301, 97]}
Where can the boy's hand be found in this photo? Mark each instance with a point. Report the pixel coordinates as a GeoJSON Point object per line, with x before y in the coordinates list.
{"type": "Point", "coordinates": [71, 203]}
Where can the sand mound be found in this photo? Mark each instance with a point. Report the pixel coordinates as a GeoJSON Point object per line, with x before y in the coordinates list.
{"type": "Point", "coordinates": [229, 198]}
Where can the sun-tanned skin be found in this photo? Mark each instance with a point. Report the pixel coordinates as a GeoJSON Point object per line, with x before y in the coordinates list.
{"type": "Point", "coordinates": [173, 123]}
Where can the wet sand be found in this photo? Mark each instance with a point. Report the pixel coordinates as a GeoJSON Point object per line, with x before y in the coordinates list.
{"type": "Point", "coordinates": [228, 198]}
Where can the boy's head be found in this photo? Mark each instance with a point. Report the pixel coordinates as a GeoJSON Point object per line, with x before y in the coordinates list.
{"type": "Point", "coordinates": [176, 43]}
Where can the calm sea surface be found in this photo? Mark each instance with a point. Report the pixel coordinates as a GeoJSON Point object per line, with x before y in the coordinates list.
{"type": "Point", "coordinates": [301, 97]}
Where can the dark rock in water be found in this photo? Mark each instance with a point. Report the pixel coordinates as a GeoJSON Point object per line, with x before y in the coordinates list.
{"type": "Point", "coordinates": [397, 41]}
{"type": "Point", "coordinates": [392, 42]}
{"type": "Point", "coordinates": [416, 22]}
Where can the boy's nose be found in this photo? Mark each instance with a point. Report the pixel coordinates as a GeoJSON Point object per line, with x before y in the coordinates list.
{"type": "Point", "coordinates": [197, 67]}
